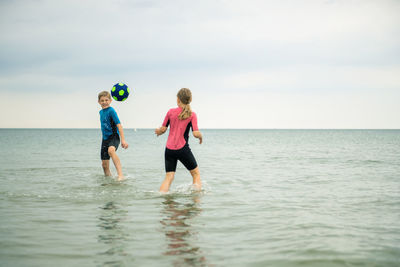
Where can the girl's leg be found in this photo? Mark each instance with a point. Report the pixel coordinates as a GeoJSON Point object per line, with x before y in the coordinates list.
{"type": "Point", "coordinates": [196, 178]}
{"type": "Point", "coordinates": [117, 162]}
{"type": "Point", "coordinates": [106, 167]}
{"type": "Point", "coordinates": [169, 177]}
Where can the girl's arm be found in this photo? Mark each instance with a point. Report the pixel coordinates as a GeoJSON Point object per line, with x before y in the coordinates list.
{"type": "Point", "coordinates": [164, 126]}
{"type": "Point", "coordinates": [198, 134]}
{"type": "Point", "coordinates": [124, 144]}
{"type": "Point", "coordinates": [161, 130]}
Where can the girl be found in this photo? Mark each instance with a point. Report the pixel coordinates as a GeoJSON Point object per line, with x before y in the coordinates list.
{"type": "Point", "coordinates": [180, 120]}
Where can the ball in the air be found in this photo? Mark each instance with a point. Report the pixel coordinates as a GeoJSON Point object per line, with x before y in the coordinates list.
{"type": "Point", "coordinates": [120, 92]}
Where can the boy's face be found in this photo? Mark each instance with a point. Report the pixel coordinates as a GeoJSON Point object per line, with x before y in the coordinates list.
{"type": "Point", "coordinates": [104, 102]}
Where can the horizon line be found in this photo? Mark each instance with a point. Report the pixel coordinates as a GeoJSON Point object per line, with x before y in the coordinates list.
{"type": "Point", "coordinates": [131, 128]}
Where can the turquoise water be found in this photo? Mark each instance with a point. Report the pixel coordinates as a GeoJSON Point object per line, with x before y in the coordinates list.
{"type": "Point", "coordinates": [270, 198]}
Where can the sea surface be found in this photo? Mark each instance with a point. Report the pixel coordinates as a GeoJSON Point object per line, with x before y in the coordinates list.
{"type": "Point", "coordinates": [270, 198]}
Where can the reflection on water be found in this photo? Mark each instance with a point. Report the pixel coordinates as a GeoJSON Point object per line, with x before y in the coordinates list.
{"type": "Point", "coordinates": [179, 232]}
{"type": "Point", "coordinates": [113, 234]}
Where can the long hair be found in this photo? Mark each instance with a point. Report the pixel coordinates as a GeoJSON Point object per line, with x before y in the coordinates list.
{"type": "Point", "coordinates": [185, 96]}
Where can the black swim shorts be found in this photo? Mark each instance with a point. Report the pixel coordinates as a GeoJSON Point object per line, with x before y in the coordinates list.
{"type": "Point", "coordinates": [113, 140]}
{"type": "Point", "coordinates": [184, 155]}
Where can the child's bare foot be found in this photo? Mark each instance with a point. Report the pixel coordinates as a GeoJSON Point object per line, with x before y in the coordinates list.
{"type": "Point", "coordinates": [120, 178]}
{"type": "Point", "coordinates": [196, 187]}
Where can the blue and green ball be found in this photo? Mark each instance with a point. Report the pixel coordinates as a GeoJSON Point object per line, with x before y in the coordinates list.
{"type": "Point", "coordinates": [120, 92]}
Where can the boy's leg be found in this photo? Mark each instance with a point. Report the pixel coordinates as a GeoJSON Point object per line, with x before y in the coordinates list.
{"type": "Point", "coordinates": [169, 177]}
{"type": "Point", "coordinates": [117, 162]}
{"type": "Point", "coordinates": [106, 167]}
{"type": "Point", "coordinates": [196, 178]}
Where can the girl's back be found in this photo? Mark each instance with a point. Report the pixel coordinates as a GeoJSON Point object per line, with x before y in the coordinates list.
{"type": "Point", "coordinates": [179, 129]}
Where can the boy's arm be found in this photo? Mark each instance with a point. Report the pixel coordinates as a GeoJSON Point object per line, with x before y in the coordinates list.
{"type": "Point", "coordinates": [124, 144]}
{"type": "Point", "coordinates": [161, 130]}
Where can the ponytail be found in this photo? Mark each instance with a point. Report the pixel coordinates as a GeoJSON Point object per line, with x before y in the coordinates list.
{"type": "Point", "coordinates": [186, 112]}
{"type": "Point", "coordinates": [185, 96]}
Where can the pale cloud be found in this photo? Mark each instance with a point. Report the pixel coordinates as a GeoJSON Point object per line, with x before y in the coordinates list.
{"type": "Point", "coordinates": [227, 49]}
{"type": "Point", "coordinates": [312, 78]}
{"type": "Point", "coordinates": [284, 110]}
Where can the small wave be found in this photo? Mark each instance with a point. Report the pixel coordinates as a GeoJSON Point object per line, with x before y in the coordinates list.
{"type": "Point", "coordinates": [187, 189]}
{"type": "Point", "coordinates": [367, 161]}
{"type": "Point", "coordinates": [372, 161]}
{"type": "Point", "coordinates": [181, 190]}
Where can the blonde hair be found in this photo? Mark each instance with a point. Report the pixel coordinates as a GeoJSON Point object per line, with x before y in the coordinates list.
{"type": "Point", "coordinates": [104, 93]}
{"type": "Point", "coordinates": [185, 96]}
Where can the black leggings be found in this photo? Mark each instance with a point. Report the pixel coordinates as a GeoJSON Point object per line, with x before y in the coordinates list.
{"type": "Point", "coordinates": [184, 155]}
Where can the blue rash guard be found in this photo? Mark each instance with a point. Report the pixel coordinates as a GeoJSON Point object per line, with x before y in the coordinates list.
{"type": "Point", "coordinates": [109, 121]}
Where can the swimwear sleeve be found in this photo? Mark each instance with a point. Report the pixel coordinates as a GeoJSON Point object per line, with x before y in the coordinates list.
{"type": "Point", "coordinates": [166, 120]}
{"type": "Point", "coordinates": [114, 116]}
{"type": "Point", "coordinates": [194, 122]}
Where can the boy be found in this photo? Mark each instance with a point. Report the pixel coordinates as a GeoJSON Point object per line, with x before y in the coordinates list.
{"type": "Point", "coordinates": [112, 129]}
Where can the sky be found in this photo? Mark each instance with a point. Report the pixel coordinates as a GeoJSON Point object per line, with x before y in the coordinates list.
{"type": "Point", "coordinates": [309, 64]}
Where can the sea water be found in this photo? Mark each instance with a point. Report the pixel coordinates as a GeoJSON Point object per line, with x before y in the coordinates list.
{"type": "Point", "coordinates": [269, 198]}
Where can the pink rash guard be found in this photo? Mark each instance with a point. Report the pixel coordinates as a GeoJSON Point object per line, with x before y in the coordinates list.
{"type": "Point", "coordinates": [179, 129]}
